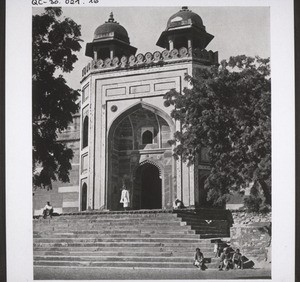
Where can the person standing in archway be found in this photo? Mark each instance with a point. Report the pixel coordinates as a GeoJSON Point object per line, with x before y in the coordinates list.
{"type": "Point", "coordinates": [125, 198]}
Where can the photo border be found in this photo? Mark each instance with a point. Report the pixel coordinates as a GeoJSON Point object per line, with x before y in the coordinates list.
{"type": "Point", "coordinates": [13, 252]}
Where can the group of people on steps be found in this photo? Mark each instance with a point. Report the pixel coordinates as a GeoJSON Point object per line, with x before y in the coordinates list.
{"type": "Point", "coordinates": [229, 259]}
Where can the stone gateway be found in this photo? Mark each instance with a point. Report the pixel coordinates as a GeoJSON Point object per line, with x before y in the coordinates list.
{"type": "Point", "coordinates": [125, 126]}
{"type": "Point", "coordinates": [124, 119]}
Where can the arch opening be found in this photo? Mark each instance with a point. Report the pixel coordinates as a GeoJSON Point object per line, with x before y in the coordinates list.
{"type": "Point", "coordinates": [147, 137]}
{"type": "Point", "coordinates": [84, 197]}
{"type": "Point", "coordinates": [85, 132]}
{"type": "Point", "coordinates": [147, 192]}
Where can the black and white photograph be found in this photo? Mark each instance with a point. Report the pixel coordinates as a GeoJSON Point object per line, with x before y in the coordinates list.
{"type": "Point", "coordinates": [156, 144]}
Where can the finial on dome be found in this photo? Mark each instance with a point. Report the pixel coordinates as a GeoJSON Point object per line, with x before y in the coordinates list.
{"type": "Point", "coordinates": [111, 17]}
{"type": "Point", "coordinates": [184, 8]}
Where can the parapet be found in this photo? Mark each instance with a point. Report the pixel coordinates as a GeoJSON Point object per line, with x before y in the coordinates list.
{"type": "Point", "coordinates": [152, 60]}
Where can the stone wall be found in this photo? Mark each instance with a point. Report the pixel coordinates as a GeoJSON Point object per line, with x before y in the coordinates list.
{"type": "Point", "coordinates": [251, 233]}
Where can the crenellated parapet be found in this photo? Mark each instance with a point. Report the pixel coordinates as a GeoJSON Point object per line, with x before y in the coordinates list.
{"type": "Point", "coordinates": [153, 59]}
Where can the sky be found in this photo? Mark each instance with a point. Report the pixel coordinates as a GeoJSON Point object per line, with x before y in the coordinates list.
{"type": "Point", "coordinates": [236, 30]}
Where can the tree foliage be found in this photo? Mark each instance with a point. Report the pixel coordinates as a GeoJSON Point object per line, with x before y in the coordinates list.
{"type": "Point", "coordinates": [227, 109]}
{"type": "Point", "coordinates": [53, 102]}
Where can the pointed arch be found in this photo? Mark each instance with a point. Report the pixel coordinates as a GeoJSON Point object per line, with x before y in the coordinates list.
{"type": "Point", "coordinates": [137, 106]}
{"type": "Point", "coordinates": [124, 161]}
{"type": "Point", "coordinates": [149, 161]}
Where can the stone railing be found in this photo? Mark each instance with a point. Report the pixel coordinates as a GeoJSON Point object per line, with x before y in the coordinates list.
{"type": "Point", "coordinates": [157, 58]}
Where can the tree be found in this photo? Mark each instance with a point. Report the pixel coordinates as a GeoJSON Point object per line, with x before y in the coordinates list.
{"type": "Point", "coordinates": [227, 109]}
{"type": "Point", "coordinates": [53, 102]}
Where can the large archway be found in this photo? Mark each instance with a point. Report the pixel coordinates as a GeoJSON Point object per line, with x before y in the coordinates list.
{"type": "Point", "coordinates": [147, 193]}
{"type": "Point", "coordinates": [140, 133]}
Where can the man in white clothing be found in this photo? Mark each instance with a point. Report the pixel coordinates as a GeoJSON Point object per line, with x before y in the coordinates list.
{"type": "Point", "coordinates": [47, 210]}
{"type": "Point", "coordinates": [125, 198]}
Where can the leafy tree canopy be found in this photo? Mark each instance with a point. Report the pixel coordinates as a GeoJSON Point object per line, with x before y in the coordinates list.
{"type": "Point", "coordinates": [55, 39]}
{"type": "Point", "coordinates": [227, 109]}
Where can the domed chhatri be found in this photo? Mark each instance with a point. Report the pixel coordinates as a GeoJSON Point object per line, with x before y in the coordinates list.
{"type": "Point", "coordinates": [184, 29]}
{"type": "Point", "coordinates": [110, 40]}
{"type": "Point", "coordinates": [111, 29]}
{"type": "Point", "coordinates": [185, 17]}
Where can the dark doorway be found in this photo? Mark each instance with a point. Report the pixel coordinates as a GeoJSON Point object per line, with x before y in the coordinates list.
{"type": "Point", "coordinates": [147, 137]}
{"type": "Point", "coordinates": [148, 187]}
{"type": "Point", "coordinates": [83, 197]}
{"type": "Point", "coordinates": [85, 134]}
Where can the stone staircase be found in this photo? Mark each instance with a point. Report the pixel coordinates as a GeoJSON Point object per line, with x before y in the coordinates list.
{"type": "Point", "coordinates": [133, 239]}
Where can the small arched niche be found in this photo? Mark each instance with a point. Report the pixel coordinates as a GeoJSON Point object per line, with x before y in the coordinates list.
{"type": "Point", "coordinates": [85, 132]}
{"type": "Point", "coordinates": [147, 137]}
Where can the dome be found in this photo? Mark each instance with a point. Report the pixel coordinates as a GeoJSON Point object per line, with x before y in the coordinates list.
{"type": "Point", "coordinates": [184, 29]}
{"type": "Point", "coordinates": [185, 17]}
{"type": "Point", "coordinates": [111, 29]}
{"type": "Point", "coordinates": [110, 40]}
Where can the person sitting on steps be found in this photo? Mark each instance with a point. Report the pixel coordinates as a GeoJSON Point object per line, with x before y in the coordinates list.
{"type": "Point", "coordinates": [199, 259]}
{"type": "Point", "coordinates": [225, 259]}
{"type": "Point", "coordinates": [237, 259]}
{"type": "Point", "coordinates": [47, 210]}
{"type": "Point", "coordinates": [178, 204]}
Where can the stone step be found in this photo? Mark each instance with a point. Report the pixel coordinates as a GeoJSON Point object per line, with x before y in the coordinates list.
{"type": "Point", "coordinates": [212, 235]}
{"type": "Point", "coordinates": [137, 244]}
{"type": "Point", "coordinates": [153, 224]}
{"type": "Point", "coordinates": [113, 215]}
{"type": "Point", "coordinates": [112, 240]}
{"type": "Point", "coordinates": [208, 230]}
{"type": "Point", "coordinates": [207, 226]}
{"type": "Point", "coordinates": [113, 235]}
{"type": "Point", "coordinates": [137, 253]}
{"type": "Point", "coordinates": [205, 221]}
{"type": "Point", "coordinates": [119, 247]}
{"type": "Point", "coordinates": [122, 252]}
{"type": "Point", "coordinates": [109, 219]}
{"type": "Point", "coordinates": [217, 232]}
{"type": "Point", "coordinates": [116, 229]}
{"type": "Point", "coordinates": [203, 216]}
{"type": "Point", "coordinates": [183, 230]}
{"type": "Point", "coordinates": [195, 226]}
{"type": "Point", "coordinates": [141, 212]}
{"type": "Point", "coordinates": [115, 264]}
{"type": "Point", "coordinates": [111, 223]}
{"type": "Point", "coordinates": [201, 213]}
{"type": "Point", "coordinates": [115, 258]}
{"type": "Point", "coordinates": [213, 262]}
{"type": "Point", "coordinates": [120, 217]}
